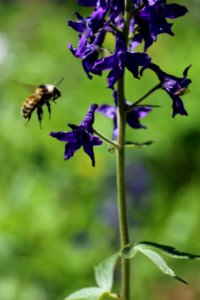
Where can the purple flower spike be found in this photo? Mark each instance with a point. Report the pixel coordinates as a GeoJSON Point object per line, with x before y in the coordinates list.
{"type": "Point", "coordinates": [133, 117]}
{"type": "Point", "coordinates": [81, 135]}
{"type": "Point", "coordinates": [174, 86]}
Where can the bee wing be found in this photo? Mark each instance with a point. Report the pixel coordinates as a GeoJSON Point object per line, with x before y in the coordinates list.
{"type": "Point", "coordinates": [30, 87]}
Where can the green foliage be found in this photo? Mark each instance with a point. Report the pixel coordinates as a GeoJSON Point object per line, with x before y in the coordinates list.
{"type": "Point", "coordinates": [104, 272]}
{"type": "Point", "coordinates": [130, 250]}
{"type": "Point", "coordinates": [87, 294]}
{"type": "Point", "coordinates": [104, 279]}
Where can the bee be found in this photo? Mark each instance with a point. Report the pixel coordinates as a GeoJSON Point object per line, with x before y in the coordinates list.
{"type": "Point", "coordinates": [42, 95]}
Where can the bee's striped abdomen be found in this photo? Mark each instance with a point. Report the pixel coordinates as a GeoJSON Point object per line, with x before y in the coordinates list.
{"type": "Point", "coordinates": [29, 105]}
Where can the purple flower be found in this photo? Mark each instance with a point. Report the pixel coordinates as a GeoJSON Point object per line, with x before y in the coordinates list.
{"type": "Point", "coordinates": [119, 60]}
{"type": "Point", "coordinates": [174, 86]}
{"type": "Point", "coordinates": [89, 25]}
{"type": "Point", "coordinates": [113, 7]}
{"type": "Point", "coordinates": [89, 3]}
{"type": "Point", "coordinates": [132, 118]}
{"type": "Point", "coordinates": [81, 135]}
{"type": "Point", "coordinates": [151, 19]}
{"type": "Point", "coordinates": [89, 51]}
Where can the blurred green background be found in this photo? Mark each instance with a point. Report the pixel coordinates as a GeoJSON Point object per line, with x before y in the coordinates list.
{"type": "Point", "coordinates": [58, 218]}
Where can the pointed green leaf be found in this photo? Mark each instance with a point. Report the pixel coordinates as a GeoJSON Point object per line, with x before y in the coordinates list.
{"type": "Point", "coordinates": [158, 261]}
{"type": "Point", "coordinates": [104, 272]}
{"type": "Point", "coordinates": [151, 105]}
{"type": "Point", "coordinates": [135, 144]}
{"type": "Point", "coordinates": [169, 251]}
{"type": "Point", "coordinates": [92, 293]}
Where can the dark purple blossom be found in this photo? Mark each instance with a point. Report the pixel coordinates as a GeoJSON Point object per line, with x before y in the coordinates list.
{"type": "Point", "coordinates": [113, 7]}
{"type": "Point", "coordinates": [81, 135]}
{"type": "Point", "coordinates": [119, 60]}
{"type": "Point", "coordinates": [90, 3]}
{"type": "Point", "coordinates": [89, 51]}
{"type": "Point", "coordinates": [174, 86]}
{"type": "Point", "coordinates": [89, 25]}
{"type": "Point", "coordinates": [132, 118]}
{"type": "Point", "coordinates": [151, 19]}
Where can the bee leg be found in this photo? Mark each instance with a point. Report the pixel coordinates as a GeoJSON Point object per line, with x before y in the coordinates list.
{"type": "Point", "coordinates": [54, 98]}
{"type": "Point", "coordinates": [28, 117]}
{"type": "Point", "coordinates": [27, 121]}
{"type": "Point", "coordinates": [40, 115]}
{"type": "Point", "coordinates": [49, 109]}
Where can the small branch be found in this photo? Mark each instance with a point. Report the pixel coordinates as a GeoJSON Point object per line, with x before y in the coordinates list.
{"type": "Point", "coordinates": [144, 97]}
{"type": "Point", "coordinates": [151, 105]}
{"type": "Point", "coordinates": [106, 139]}
{"type": "Point", "coordinates": [115, 28]}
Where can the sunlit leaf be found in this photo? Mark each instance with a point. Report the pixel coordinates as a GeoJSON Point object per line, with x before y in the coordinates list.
{"type": "Point", "coordinates": [104, 272]}
{"type": "Point", "coordinates": [109, 296]}
{"type": "Point", "coordinates": [130, 250]}
{"type": "Point", "coordinates": [159, 262]}
{"type": "Point", "coordinates": [92, 293]}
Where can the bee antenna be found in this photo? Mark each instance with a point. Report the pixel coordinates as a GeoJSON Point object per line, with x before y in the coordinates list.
{"type": "Point", "coordinates": [59, 82]}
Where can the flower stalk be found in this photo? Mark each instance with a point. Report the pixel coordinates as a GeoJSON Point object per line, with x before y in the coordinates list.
{"type": "Point", "coordinates": [121, 192]}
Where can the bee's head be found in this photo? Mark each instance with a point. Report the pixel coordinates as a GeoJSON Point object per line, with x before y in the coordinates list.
{"type": "Point", "coordinates": [50, 90]}
{"type": "Point", "coordinates": [56, 93]}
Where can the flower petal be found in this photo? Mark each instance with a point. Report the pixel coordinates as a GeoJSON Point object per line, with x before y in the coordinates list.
{"type": "Point", "coordinates": [134, 60]}
{"type": "Point", "coordinates": [133, 117]}
{"type": "Point", "coordinates": [174, 10]}
{"type": "Point", "coordinates": [63, 136]}
{"type": "Point", "coordinates": [177, 106]}
{"type": "Point", "coordinates": [96, 141]}
{"type": "Point", "coordinates": [89, 3]}
{"type": "Point", "coordinates": [114, 75]}
{"type": "Point", "coordinates": [70, 149]}
{"type": "Point", "coordinates": [89, 118]}
{"type": "Point", "coordinates": [107, 110]}
{"type": "Point", "coordinates": [105, 63]}
{"type": "Point", "coordinates": [88, 148]}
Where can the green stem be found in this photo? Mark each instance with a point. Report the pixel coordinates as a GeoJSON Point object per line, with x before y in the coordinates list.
{"type": "Point", "coordinates": [123, 222]}
{"type": "Point", "coordinates": [121, 192]}
{"type": "Point", "coordinates": [105, 138]}
{"type": "Point", "coordinates": [158, 86]}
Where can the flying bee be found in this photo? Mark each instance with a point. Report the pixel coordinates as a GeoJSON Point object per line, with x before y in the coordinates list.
{"type": "Point", "coordinates": [42, 95]}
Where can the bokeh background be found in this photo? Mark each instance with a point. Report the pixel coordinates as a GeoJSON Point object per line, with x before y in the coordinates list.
{"type": "Point", "coordinates": [58, 218]}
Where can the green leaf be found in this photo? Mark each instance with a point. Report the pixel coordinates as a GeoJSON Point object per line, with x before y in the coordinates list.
{"type": "Point", "coordinates": [109, 296]}
{"type": "Point", "coordinates": [169, 251]}
{"type": "Point", "coordinates": [92, 293]}
{"type": "Point", "coordinates": [104, 272]}
{"type": "Point", "coordinates": [135, 144]}
{"type": "Point", "coordinates": [130, 250]}
{"type": "Point", "coordinates": [158, 261]}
